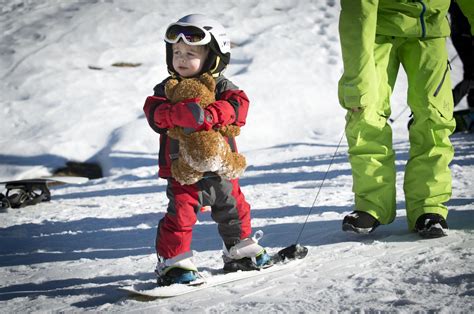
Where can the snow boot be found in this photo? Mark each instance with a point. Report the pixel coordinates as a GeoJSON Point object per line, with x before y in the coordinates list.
{"type": "Point", "coordinates": [360, 222]}
{"type": "Point", "coordinates": [262, 260]}
{"type": "Point", "coordinates": [246, 255]}
{"type": "Point", "coordinates": [179, 270]}
{"type": "Point", "coordinates": [431, 226]}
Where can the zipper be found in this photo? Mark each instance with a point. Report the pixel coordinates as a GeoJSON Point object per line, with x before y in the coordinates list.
{"type": "Point", "coordinates": [422, 19]}
{"type": "Point", "coordinates": [448, 66]}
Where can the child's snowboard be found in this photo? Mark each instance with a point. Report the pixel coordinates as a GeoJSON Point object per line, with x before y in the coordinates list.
{"type": "Point", "coordinates": [152, 291]}
{"type": "Point", "coordinates": [285, 259]}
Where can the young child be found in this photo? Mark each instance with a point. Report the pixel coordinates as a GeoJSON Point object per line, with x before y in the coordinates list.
{"type": "Point", "coordinates": [196, 44]}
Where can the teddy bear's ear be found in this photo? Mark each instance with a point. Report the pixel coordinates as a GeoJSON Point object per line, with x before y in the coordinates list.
{"type": "Point", "coordinates": [208, 81]}
{"type": "Point", "coordinates": [169, 88]}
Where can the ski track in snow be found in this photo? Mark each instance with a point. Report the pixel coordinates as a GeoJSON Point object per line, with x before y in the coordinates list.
{"type": "Point", "coordinates": [71, 254]}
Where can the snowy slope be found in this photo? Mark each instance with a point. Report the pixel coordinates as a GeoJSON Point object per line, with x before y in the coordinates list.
{"type": "Point", "coordinates": [72, 253]}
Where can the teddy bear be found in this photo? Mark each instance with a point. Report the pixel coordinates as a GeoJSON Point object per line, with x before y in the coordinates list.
{"type": "Point", "coordinates": [202, 151]}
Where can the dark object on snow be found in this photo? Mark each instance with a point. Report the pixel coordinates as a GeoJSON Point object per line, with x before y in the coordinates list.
{"type": "Point", "coordinates": [126, 64]}
{"type": "Point", "coordinates": [294, 251]}
{"type": "Point", "coordinates": [80, 169]}
{"type": "Point", "coordinates": [464, 120]}
{"type": "Point", "coordinates": [24, 193]}
{"type": "Point", "coordinates": [4, 203]}
{"type": "Point", "coordinates": [94, 67]}
{"type": "Point", "coordinates": [21, 193]}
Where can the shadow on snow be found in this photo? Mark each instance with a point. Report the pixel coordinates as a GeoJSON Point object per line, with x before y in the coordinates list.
{"type": "Point", "coordinates": [99, 238]}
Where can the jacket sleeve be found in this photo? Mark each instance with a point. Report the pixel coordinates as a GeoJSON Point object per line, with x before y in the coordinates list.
{"type": "Point", "coordinates": [153, 106]}
{"type": "Point", "coordinates": [357, 30]}
{"type": "Point", "coordinates": [231, 106]}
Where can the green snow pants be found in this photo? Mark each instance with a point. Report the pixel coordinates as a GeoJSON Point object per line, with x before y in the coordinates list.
{"type": "Point", "coordinates": [427, 180]}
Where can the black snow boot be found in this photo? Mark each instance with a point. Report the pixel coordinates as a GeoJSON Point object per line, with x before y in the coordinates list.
{"type": "Point", "coordinates": [431, 226]}
{"type": "Point", "coordinates": [359, 222]}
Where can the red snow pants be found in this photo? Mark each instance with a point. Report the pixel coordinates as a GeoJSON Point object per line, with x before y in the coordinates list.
{"type": "Point", "coordinates": [228, 209]}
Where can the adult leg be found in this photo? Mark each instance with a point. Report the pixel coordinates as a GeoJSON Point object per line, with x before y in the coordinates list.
{"type": "Point", "coordinates": [427, 182]}
{"type": "Point", "coordinates": [370, 140]}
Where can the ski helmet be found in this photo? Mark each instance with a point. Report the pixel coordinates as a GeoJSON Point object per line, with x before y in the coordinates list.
{"type": "Point", "coordinates": [198, 29]}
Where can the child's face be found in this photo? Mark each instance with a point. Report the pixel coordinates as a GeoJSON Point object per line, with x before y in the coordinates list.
{"type": "Point", "coordinates": [188, 60]}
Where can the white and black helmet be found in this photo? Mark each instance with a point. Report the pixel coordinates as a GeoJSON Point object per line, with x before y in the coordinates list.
{"type": "Point", "coordinates": [198, 29]}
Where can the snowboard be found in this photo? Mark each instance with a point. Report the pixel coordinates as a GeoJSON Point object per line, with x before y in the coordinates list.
{"type": "Point", "coordinates": [150, 290]}
{"type": "Point", "coordinates": [464, 120]}
{"type": "Point", "coordinates": [21, 193]}
{"type": "Point", "coordinates": [46, 180]}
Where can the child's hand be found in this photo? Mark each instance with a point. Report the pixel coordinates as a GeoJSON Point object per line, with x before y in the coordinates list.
{"type": "Point", "coordinates": [190, 115]}
{"type": "Point", "coordinates": [187, 114]}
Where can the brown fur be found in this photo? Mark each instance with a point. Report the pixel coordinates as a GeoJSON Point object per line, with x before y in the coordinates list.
{"type": "Point", "coordinates": [202, 151]}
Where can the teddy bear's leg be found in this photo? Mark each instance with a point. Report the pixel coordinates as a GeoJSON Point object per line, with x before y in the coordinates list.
{"type": "Point", "coordinates": [233, 166]}
{"type": "Point", "coordinates": [203, 150]}
{"type": "Point", "coordinates": [183, 173]}
{"type": "Point", "coordinates": [230, 131]}
{"type": "Point", "coordinates": [177, 133]}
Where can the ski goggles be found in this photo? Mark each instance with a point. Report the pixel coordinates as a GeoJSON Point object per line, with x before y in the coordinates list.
{"type": "Point", "coordinates": [191, 35]}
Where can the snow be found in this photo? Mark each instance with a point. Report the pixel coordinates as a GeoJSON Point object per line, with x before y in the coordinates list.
{"type": "Point", "coordinates": [71, 254]}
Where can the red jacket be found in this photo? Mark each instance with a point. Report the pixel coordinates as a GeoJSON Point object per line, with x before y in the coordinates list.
{"type": "Point", "coordinates": [231, 107]}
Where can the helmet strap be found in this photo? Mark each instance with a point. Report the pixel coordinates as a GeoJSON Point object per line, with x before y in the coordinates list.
{"type": "Point", "coordinates": [214, 69]}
